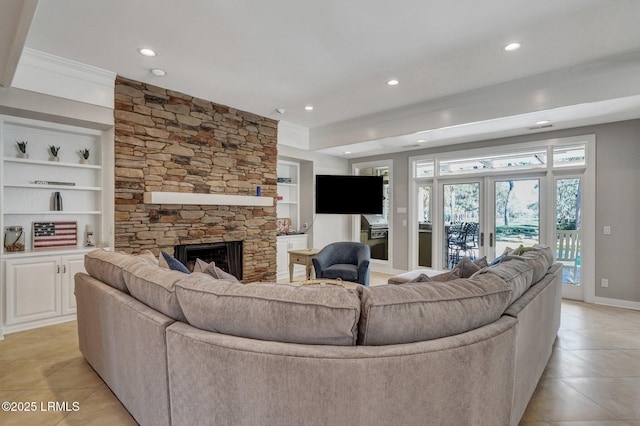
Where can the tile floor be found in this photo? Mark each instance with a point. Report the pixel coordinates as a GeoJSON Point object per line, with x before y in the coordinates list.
{"type": "Point", "coordinates": [593, 377]}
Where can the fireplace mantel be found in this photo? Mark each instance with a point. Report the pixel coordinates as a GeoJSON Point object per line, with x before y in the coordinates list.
{"type": "Point", "coordinates": [206, 199]}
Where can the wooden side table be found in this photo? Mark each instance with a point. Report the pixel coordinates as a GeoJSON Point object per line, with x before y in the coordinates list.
{"type": "Point", "coordinates": [301, 257]}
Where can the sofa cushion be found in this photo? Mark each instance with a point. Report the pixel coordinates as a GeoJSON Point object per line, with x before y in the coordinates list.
{"type": "Point", "coordinates": [408, 276]}
{"type": "Point", "coordinates": [541, 258]}
{"type": "Point", "coordinates": [517, 273]}
{"type": "Point", "coordinates": [315, 315]}
{"type": "Point", "coordinates": [155, 287]}
{"type": "Point", "coordinates": [451, 275]}
{"type": "Point", "coordinates": [422, 278]}
{"type": "Point", "coordinates": [108, 267]}
{"type": "Point", "coordinates": [416, 312]}
{"type": "Point", "coordinates": [345, 271]}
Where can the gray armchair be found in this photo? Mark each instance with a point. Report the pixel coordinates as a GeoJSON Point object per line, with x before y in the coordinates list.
{"type": "Point", "coordinates": [348, 261]}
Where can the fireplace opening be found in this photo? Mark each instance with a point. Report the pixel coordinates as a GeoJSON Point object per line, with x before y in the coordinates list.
{"type": "Point", "coordinates": [226, 255]}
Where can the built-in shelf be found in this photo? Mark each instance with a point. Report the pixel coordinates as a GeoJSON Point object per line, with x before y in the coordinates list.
{"type": "Point", "coordinates": [51, 163]}
{"type": "Point", "coordinates": [65, 187]}
{"type": "Point", "coordinates": [50, 251]}
{"type": "Point", "coordinates": [289, 192]}
{"type": "Point", "coordinates": [190, 198]}
{"type": "Point", "coordinates": [52, 212]}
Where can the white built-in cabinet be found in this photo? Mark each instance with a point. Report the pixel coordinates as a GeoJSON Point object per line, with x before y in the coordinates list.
{"type": "Point", "coordinates": [40, 288]}
{"type": "Point", "coordinates": [38, 283]}
{"type": "Point", "coordinates": [284, 244]}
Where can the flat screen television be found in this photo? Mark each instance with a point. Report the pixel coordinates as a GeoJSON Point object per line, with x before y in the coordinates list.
{"type": "Point", "coordinates": [340, 194]}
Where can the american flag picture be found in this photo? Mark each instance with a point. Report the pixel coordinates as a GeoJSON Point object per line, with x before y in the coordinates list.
{"type": "Point", "coordinates": [55, 234]}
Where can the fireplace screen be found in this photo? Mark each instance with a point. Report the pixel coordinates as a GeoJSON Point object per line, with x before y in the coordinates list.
{"type": "Point", "coordinates": [227, 255]}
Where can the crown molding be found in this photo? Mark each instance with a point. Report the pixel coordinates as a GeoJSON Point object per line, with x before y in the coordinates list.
{"type": "Point", "coordinates": [52, 75]}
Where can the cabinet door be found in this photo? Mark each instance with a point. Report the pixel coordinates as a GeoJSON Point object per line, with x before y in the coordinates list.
{"type": "Point", "coordinates": [33, 289]}
{"type": "Point", "coordinates": [71, 265]}
{"type": "Point", "coordinates": [282, 258]}
{"type": "Point", "coordinates": [297, 242]}
{"type": "Point", "coordinates": [284, 244]}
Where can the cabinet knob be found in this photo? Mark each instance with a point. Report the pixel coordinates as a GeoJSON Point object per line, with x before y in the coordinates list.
{"type": "Point", "coordinates": [58, 269]}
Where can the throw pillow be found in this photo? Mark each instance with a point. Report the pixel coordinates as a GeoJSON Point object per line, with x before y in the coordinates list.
{"type": "Point", "coordinates": [498, 259]}
{"type": "Point", "coordinates": [148, 257]}
{"type": "Point", "coordinates": [422, 278]}
{"type": "Point", "coordinates": [482, 262]}
{"type": "Point", "coordinates": [213, 270]}
{"type": "Point", "coordinates": [466, 267]}
{"type": "Point", "coordinates": [171, 263]}
{"type": "Point", "coordinates": [453, 274]}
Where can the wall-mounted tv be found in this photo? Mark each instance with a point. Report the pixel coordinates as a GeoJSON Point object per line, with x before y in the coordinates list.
{"type": "Point", "coordinates": [339, 194]}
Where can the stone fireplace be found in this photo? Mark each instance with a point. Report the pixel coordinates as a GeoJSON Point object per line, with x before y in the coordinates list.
{"type": "Point", "coordinates": [167, 141]}
{"type": "Point", "coordinates": [227, 255]}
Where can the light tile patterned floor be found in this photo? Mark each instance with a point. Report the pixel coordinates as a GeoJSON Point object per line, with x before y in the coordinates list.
{"type": "Point", "coordinates": [593, 377]}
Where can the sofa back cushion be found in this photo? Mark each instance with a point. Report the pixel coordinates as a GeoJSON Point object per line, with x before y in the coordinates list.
{"type": "Point", "coordinates": [315, 315]}
{"type": "Point", "coordinates": [108, 267]}
{"type": "Point", "coordinates": [517, 273]}
{"type": "Point", "coordinates": [540, 260]}
{"type": "Point", "coordinates": [155, 287]}
{"type": "Point", "coordinates": [406, 313]}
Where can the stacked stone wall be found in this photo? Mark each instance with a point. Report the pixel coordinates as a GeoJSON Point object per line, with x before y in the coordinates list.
{"type": "Point", "coordinates": [171, 142]}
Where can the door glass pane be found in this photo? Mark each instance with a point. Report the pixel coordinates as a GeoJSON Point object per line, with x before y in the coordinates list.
{"type": "Point", "coordinates": [374, 228]}
{"type": "Point", "coordinates": [517, 218]}
{"type": "Point", "coordinates": [424, 226]}
{"type": "Point", "coordinates": [568, 228]}
{"type": "Point", "coordinates": [461, 218]}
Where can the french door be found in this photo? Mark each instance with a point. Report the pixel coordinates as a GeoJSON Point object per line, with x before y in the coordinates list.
{"type": "Point", "coordinates": [568, 234]}
{"type": "Point", "coordinates": [461, 221]}
{"type": "Point", "coordinates": [515, 206]}
{"type": "Point", "coordinates": [479, 202]}
{"type": "Point", "coordinates": [482, 217]}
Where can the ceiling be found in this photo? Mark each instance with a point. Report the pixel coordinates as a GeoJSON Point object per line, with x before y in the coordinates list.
{"type": "Point", "coordinates": [579, 62]}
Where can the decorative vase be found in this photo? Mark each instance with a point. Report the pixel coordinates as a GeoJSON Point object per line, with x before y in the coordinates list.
{"type": "Point", "coordinates": [23, 155]}
{"type": "Point", "coordinates": [57, 201]}
{"type": "Point", "coordinates": [54, 158]}
{"type": "Point", "coordinates": [84, 161]}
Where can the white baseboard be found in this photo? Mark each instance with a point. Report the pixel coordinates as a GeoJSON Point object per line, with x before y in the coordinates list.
{"type": "Point", "coordinates": [8, 329]}
{"type": "Point", "coordinates": [616, 303]}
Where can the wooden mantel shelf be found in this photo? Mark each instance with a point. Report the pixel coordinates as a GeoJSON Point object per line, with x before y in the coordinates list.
{"type": "Point", "coordinates": [206, 199]}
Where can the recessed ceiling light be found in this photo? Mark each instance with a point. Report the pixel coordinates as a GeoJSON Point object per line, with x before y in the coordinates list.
{"type": "Point", "coordinates": [308, 108]}
{"type": "Point", "coordinates": [393, 82]}
{"type": "Point", "coordinates": [421, 140]}
{"type": "Point", "coordinates": [147, 52]}
{"type": "Point", "coordinates": [541, 122]}
{"type": "Point", "coordinates": [158, 72]}
{"type": "Point", "coordinates": [280, 110]}
{"type": "Point", "coordinates": [512, 46]}
{"type": "Point", "coordinates": [347, 152]}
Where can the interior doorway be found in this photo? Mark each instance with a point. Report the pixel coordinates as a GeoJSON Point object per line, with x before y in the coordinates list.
{"type": "Point", "coordinates": [375, 230]}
